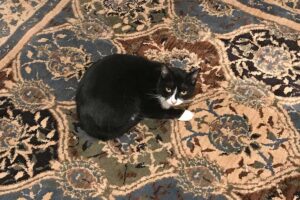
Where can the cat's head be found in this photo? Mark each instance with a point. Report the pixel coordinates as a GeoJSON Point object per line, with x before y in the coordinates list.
{"type": "Point", "coordinates": [176, 86]}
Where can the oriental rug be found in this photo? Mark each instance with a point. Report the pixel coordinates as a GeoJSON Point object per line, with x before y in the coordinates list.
{"type": "Point", "coordinates": [243, 143]}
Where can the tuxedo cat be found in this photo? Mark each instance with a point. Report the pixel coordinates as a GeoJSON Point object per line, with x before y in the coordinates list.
{"type": "Point", "coordinates": [119, 91]}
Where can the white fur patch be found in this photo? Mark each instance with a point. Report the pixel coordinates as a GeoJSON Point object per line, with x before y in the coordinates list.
{"type": "Point", "coordinates": [186, 116]}
{"type": "Point", "coordinates": [171, 101]}
{"type": "Point", "coordinates": [164, 104]}
{"type": "Point", "coordinates": [133, 117]}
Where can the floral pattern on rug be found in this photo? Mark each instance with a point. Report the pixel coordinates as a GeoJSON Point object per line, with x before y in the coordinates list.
{"type": "Point", "coordinates": [29, 142]}
{"type": "Point", "coordinates": [243, 143]}
{"type": "Point", "coordinates": [260, 147]}
{"type": "Point", "coordinates": [267, 57]}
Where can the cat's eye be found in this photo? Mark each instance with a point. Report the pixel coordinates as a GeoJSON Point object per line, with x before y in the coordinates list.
{"type": "Point", "coordinates": [168, 89]}
{"type": "Point", "coordinates": [183, 92]}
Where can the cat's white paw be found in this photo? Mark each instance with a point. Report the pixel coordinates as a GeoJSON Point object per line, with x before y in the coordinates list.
{"type": "Point", "coordinates": [186, 116]}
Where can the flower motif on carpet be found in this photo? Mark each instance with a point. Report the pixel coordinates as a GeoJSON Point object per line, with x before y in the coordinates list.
{"type": "Point", "coordinates": [91, 29]}
{"type": "Point", "coordinates": [250, 93]}
{"type": "Point", "coordinates": [258, 141]}
{"type": "Point", "coordinates": [190, 29]}
{"type": "Point", "coordinates": [5, 31]}
{"type": "Point", "coordinates": [199, 177]}
{"type": "Point", "coordinates": [32, 96]}
{"type": "Point", "coordinates": [125, 16]}
{"type": "Point", "coordinates": [231, 134]}
{"type": "Point", "coordinates": [273, 60]}
{"type": "Point", "coordinates": [129, 145]}
{"type": "Point", "coordinates": [216, 8]}
{"type": "Point", "coordinates": [180, 58]}
{"type": "Point", "coordinates": [80, 178]}
{"type": "Point", "coordinates": [68, 62]}
{"type": "Point", "coordinates": [267, 58]}
{"type": "Point", "coordinates": [52, 57]}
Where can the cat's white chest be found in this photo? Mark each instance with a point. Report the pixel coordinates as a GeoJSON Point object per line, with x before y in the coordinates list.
{"type": "Point", "coordinates": [164, 103]}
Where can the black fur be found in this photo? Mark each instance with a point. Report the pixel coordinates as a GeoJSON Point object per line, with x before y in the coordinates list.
{"type": "Point", "coordinates": [119, 91]}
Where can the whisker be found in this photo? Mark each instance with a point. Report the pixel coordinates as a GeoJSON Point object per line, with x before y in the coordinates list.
{"type": "Point", "coordinates": [187, 101]}
{"type": "Point", "coordinates": [154, 95]}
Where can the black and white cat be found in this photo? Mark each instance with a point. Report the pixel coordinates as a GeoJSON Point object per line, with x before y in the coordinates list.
{"type": "Point", "coordinates": [119, 91]}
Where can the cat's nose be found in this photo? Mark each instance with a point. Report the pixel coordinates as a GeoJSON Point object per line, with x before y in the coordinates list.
{"type": "Point", "coordinates": [173, 101]}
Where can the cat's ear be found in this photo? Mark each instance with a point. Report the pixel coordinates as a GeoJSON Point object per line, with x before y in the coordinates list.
{"type": "Point", "coordinates": [193, 75]}
{"type": "Point", "coordinates": [165, 70]}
